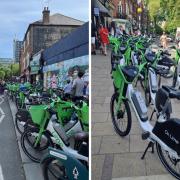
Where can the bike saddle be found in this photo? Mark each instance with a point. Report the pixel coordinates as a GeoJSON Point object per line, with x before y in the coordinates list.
{"type": "Point", "coordinates": [81, 136]}
{"type": "Point", "coordinates": [166, 61]}
{"type": "Point", "coordinates": [45, 94]}
{"type": "Point", "coordinates": [119, 55]}
{"type": "Point", "coordinates": [130, 72]}
{"type": "Point", "coordinates": [161, 71]}
{"type": "Point", "coordinates": [122, 49]}
{"type": "Point", "coordinates": [150, 57]}
{"type": "Point", "coordinates": [173, 93]}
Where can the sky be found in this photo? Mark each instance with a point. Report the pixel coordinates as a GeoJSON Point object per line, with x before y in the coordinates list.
{"type": "Point", "coordinates": [16, 15]}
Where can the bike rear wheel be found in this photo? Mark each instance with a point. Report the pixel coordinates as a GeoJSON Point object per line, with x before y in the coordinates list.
{"type": "Point", "coordinates": [28, 140]}
{"type": "Point", "coordinates": [172, 165]}
{"type": "Point", "coordinates": [122, 119]}
{"type": "Point", "coordinates": [53, 169]}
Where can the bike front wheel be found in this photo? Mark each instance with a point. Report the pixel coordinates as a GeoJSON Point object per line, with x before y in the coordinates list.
{"type": "Point", "coordinates": [121, 117]}
{"type": "Point", "coordinates": [171, 164]}
{"type": "Point", "coordinates": [28, 140]}
{"type": "Point", "coordinates": [53, 169]}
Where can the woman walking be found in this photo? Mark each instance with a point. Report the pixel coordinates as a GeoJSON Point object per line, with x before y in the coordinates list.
{"type": "Point", "coordinates": [103, 33]}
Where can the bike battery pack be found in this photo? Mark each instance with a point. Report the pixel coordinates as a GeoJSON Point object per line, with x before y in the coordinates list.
{"type": "Point", "coordinates": [140, 105]}
{"type": "Point", "coordinates": [153, 80]}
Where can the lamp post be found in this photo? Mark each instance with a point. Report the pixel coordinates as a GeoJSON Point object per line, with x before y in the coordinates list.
{"type": "Point", "coordinates": [139, 11]}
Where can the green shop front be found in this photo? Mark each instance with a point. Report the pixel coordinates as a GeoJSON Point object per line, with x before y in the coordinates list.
{"type": "Point", "coordinates": [35, 75]}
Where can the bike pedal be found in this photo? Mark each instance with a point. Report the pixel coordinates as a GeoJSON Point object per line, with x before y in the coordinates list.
{"type": "Point", "coordinates": [145, 135]}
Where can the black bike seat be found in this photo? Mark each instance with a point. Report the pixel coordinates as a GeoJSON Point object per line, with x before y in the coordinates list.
{"type": "Point", "coordinates": [173, 93]}
{"type": "Point", "coordinates": [81, 136]}
{"type": "Point", "coordinates": [119, 55]}
{"type": "Point", "coordinates": [161, 71]}
{"type": "Point", "coordinates": [130, 72]}
{"type": "Point", "coordinates": [150, 57]}
{"type": "Point", "coordinates": [166, 61]}
{"type": "Point", "coordinates": [122, 49]}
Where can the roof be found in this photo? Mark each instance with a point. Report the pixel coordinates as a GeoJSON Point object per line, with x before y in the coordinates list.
{"type": "Point", "coordinates": [73, 45]}
{"type": "Point", "coordinates": [59, 19]}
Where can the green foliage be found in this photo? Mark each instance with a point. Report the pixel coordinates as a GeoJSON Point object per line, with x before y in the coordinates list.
{"type": "Point", "coordinates": [8, 71]}
{"type": "Point", "coordinates": [15, 69]}
{"type": "Point", "coordinates": [2, 74]}
{"type": "Point", "coordinates": [158, 29]}
{"type": "Point", "coordinates": [165, 10]}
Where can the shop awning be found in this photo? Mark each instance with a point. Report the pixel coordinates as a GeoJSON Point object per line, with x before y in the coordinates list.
{"type": "Point", "coordinates": [101, 7]}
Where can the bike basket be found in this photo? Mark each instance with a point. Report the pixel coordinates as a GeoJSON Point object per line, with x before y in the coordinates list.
{"type": "Point", "coordinates": [83, 114]}
{"type": "Point", "coordinates": [64, 111]}
{"type": "Point", "coordinates": [38, 113]}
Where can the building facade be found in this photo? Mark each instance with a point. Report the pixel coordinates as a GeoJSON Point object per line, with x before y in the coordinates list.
{"type": "Point", "coordinates": [42, 34]}
{"type": "Point", "coordinates": [6, 61]}
{"type": "Point", "coordinates": [17, 45]}
{"type": "Point", "coordinates": [65, 58]}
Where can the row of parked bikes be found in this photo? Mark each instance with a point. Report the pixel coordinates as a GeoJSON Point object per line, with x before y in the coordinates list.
{"type": "Point", "coordinates": [54, 130]}
{"type": "Point", "coordinates": [134, 61]}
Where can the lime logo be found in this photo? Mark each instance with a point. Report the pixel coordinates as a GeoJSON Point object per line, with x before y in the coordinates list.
{"type": "Point", "coordinates": [75, 173]}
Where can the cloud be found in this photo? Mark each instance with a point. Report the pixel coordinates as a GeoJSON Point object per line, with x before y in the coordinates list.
{"type": "Point", "coordinates": [16, 15]}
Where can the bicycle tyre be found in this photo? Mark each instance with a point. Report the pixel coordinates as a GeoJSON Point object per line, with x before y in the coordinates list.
{"type": "Point", "coordinates": [39, 149]}
{"type": "Point", "coordinates": [164, 162]}
{"type": "Point", "coordinates": [174, 78]}
{"type": "Point", "coordinates": [147, 95]}
{"type": "Point", "coordinates": [129, 120]}
{"type": "Point", "coordinates": [45, 164]}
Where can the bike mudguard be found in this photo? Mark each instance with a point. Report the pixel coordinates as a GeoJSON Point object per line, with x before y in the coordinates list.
{"type": "Point", "coordinates": [75, 169]}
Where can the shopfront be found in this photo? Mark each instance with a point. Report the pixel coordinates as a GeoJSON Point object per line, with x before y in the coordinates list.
{"type": "Point", "coordinates": [65, 58]}
{"type": "Point", "coordinates": [35, 67]}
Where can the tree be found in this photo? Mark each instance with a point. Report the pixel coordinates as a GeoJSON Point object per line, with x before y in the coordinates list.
{"type": "Point", "coordinates": [15, 69]}
{"type": "Point", "coordinates": [2, 74]}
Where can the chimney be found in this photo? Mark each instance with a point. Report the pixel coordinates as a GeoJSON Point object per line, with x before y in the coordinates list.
{"type": "Point", "coordinates": [46, 14]}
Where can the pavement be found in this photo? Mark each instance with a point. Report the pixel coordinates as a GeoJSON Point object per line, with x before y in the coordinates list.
{"type": "Point", "coordinates": [32, 170]}
{"type": "Point", "coordinates": [114, 157]}
{"type": "Point", "coordinates": [10, 159]}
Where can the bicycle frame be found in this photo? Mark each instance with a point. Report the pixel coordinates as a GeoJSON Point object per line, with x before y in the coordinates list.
{"type": "Point", "coordinates": [75, 169]}
{"type": "Point", "coordinates": [58, 140]}
{"type": "Point", "coordinates": [147, 127]}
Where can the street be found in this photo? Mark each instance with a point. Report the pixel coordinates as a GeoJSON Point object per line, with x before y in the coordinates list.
{"type": "Point", "coordinates": [114, 157]}
{"type": "Point", "coordinates": [10, 160]}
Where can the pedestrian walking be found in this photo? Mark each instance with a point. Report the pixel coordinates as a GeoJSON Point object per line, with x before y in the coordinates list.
{"type": "Point", "coordinates": [93, 39]}
{"type": "Point", "coordinates": [78, 87]}
{"type": "Point", "coordinates": [103, 33]}
{"type": "Point", "coordinates": [163, 40]}
{"type": "Point", "coordinates": [68, 89]}
{"type": "Point", "coordinates": [113, 29]}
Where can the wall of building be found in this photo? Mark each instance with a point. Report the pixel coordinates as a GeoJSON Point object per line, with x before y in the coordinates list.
{"type": "Point", "coordinates": [45, 36]}
{"type": "Point", "coordinates": [67, 56]}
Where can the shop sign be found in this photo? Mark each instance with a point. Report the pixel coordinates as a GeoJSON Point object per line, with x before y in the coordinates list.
{"type": "Point", "coordinates": [34, 64]}
{"type": "Point", "coordinates": [96, 11]}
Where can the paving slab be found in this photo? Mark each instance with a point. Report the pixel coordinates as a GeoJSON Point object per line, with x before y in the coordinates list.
{"type": "Point", "coordinates": [103, 128]}
{"type": "Point", "coordinates": [99, 117]}
{"type": "Point", "coordinates": [114, 144]}
{"type": "Point", "coordinates": [96, 142]}
{"type": "Point", "coordinates": [153, 177]}
{"type": "Point", "coordinates": [128, 165]}
{"type": "Point", "coordinates": [97, 166]}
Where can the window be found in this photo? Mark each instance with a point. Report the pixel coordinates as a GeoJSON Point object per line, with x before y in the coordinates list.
{"type": "Point", "coordinates": [120, 7]}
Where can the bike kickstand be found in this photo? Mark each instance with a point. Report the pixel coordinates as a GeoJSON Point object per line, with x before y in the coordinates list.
{"type": "Point", "coordinates": [152, 114]}
{"type": "Point", "coordinates": [149, 145]}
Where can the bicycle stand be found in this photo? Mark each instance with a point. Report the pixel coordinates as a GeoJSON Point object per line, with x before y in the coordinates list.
{"type": "Point", "coordinates": [154, 110]}
{"type": "Point", "coordinates": [150, 145]}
